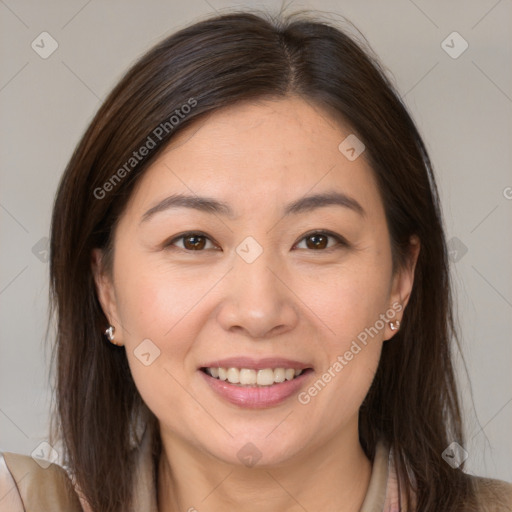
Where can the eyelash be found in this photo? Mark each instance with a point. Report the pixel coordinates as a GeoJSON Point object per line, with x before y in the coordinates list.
{"type": "Point", "coordinates": [341, 242]}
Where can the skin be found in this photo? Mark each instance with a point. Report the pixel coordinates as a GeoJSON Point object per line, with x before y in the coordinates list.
{"type": "Point", "coordinates": [293, 301]}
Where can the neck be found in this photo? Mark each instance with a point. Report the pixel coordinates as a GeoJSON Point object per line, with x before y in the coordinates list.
{"type": "Point", "coordinates": [331, 476]}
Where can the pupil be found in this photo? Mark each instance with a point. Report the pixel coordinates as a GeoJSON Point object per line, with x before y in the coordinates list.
{"type": "Point", "coordinates": [197, 242]}
{"type": "Point", "coordinates": [319, 241]}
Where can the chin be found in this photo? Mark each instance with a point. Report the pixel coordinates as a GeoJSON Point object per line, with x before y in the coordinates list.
{"type": "Point", "coordinates": [255, 451]}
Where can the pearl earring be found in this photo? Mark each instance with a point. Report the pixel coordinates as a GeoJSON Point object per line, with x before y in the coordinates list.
{"type": "Point", "coordinates": [109, 333]}
{"type": "Point", "coordinates": [394, 325]}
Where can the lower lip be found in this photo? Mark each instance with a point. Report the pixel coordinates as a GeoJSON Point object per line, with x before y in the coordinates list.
{"type": "Point", "coordinates": [255, 397]}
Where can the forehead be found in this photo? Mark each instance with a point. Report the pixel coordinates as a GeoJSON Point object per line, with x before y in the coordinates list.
{"type": "Point", "coordinates": [259, 152]}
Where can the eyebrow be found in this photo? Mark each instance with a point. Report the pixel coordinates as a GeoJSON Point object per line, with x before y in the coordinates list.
{"type": "Point", "coordinates": [213, 206]}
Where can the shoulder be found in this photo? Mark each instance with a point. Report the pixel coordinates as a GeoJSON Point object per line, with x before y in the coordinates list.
{"type": "Point", "coordinates": [32, 486]}
{"type": "Point", "coordinates": [492, 495]}
{"type": "Point", "coordinates": [10, 499]}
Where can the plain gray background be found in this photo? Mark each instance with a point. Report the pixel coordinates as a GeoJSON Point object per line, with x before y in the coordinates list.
{"type": "Point", "coordinates": [461, 105]}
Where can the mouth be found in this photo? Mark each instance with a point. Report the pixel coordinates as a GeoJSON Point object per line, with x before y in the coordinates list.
{"type": "Point", "coordinates": [251, 384]}
{"type": "Point", "coordinates": [249, 377]}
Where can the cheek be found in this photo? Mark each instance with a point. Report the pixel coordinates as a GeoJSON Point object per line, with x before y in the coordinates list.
{"type": "Point", "coordinates": [153, 300]}
{"type": "Point", "coordinates": [349, 304]}
{"type": "Point", "coordinates": [145, 311]}
{"type": "Point", "coordinates": [155, 311]}
{"type": "Point", "coordinates": [349, 299]}
{"type": "Point", "coordinates": [157, 304]}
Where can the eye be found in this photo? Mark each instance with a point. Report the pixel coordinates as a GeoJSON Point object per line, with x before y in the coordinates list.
{"type": "Point", "coordinates": [192, 241]}
{"type": "Point", "coordinates": [319, 240]}
{"type": "Point", "coordinates": [315, 240]}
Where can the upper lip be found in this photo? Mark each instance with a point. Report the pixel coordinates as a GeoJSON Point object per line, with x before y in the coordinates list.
{"type": "Point", "coordinates": [256, 364]}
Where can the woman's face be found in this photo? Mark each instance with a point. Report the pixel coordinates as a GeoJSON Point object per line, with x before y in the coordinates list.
{"type": "Point", "coordinates": [286, 267]}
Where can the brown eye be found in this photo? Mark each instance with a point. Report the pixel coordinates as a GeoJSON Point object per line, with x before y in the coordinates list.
{"type": "Point", "coordinates": [191, 242]}
{"type": "Point", "coordinates": [319, 240]}
{"type": "Point", "coordinates": [194, 242]}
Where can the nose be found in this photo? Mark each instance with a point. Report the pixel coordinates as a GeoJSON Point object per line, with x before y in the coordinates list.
{"type": "Point", "coordinates": [257, 301]}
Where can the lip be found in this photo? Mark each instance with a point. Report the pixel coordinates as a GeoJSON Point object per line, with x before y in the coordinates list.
{"type": "Point", "coordinates": [256, 364]}
{"type": "Point", "coordinates": [257, 397]}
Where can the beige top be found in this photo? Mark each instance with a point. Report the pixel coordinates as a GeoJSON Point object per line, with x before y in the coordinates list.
{"type": "Point", "coordinates": [26, 487]}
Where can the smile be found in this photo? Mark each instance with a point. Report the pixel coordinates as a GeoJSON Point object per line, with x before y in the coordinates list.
{"type": "Point", "coordinates": [255, 389]}
{"type": "Point", "coordinates": [250, 377]}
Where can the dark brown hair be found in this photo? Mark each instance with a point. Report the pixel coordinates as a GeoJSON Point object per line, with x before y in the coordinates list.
{"type": "Point", "coordinates": [413, 401]}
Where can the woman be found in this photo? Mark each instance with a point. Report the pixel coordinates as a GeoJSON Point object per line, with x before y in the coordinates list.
{"type": "Point", "coordinates": [250, 273]}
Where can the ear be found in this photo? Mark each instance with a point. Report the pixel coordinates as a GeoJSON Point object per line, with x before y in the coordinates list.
{"type": "Point", "coordinates": [105, 291]}
{"type": "Point", "coordinates": [402, 283]}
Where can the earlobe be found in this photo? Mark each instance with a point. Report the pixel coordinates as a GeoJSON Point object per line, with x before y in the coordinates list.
{"type": "Point", "coordinates": [403, 282]}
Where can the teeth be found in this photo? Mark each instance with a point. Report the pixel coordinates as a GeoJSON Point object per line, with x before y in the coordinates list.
{"type": "Point", "coordinates": [279, 375]}
{"type": "Point", "coordinates": [249, 377]}
{"type": "Point", "coordinates": [265, 377]}
{"type": "Point", "coordinates": [233, 376]}
{"type": "Point", "coordinates": [289, 373]}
